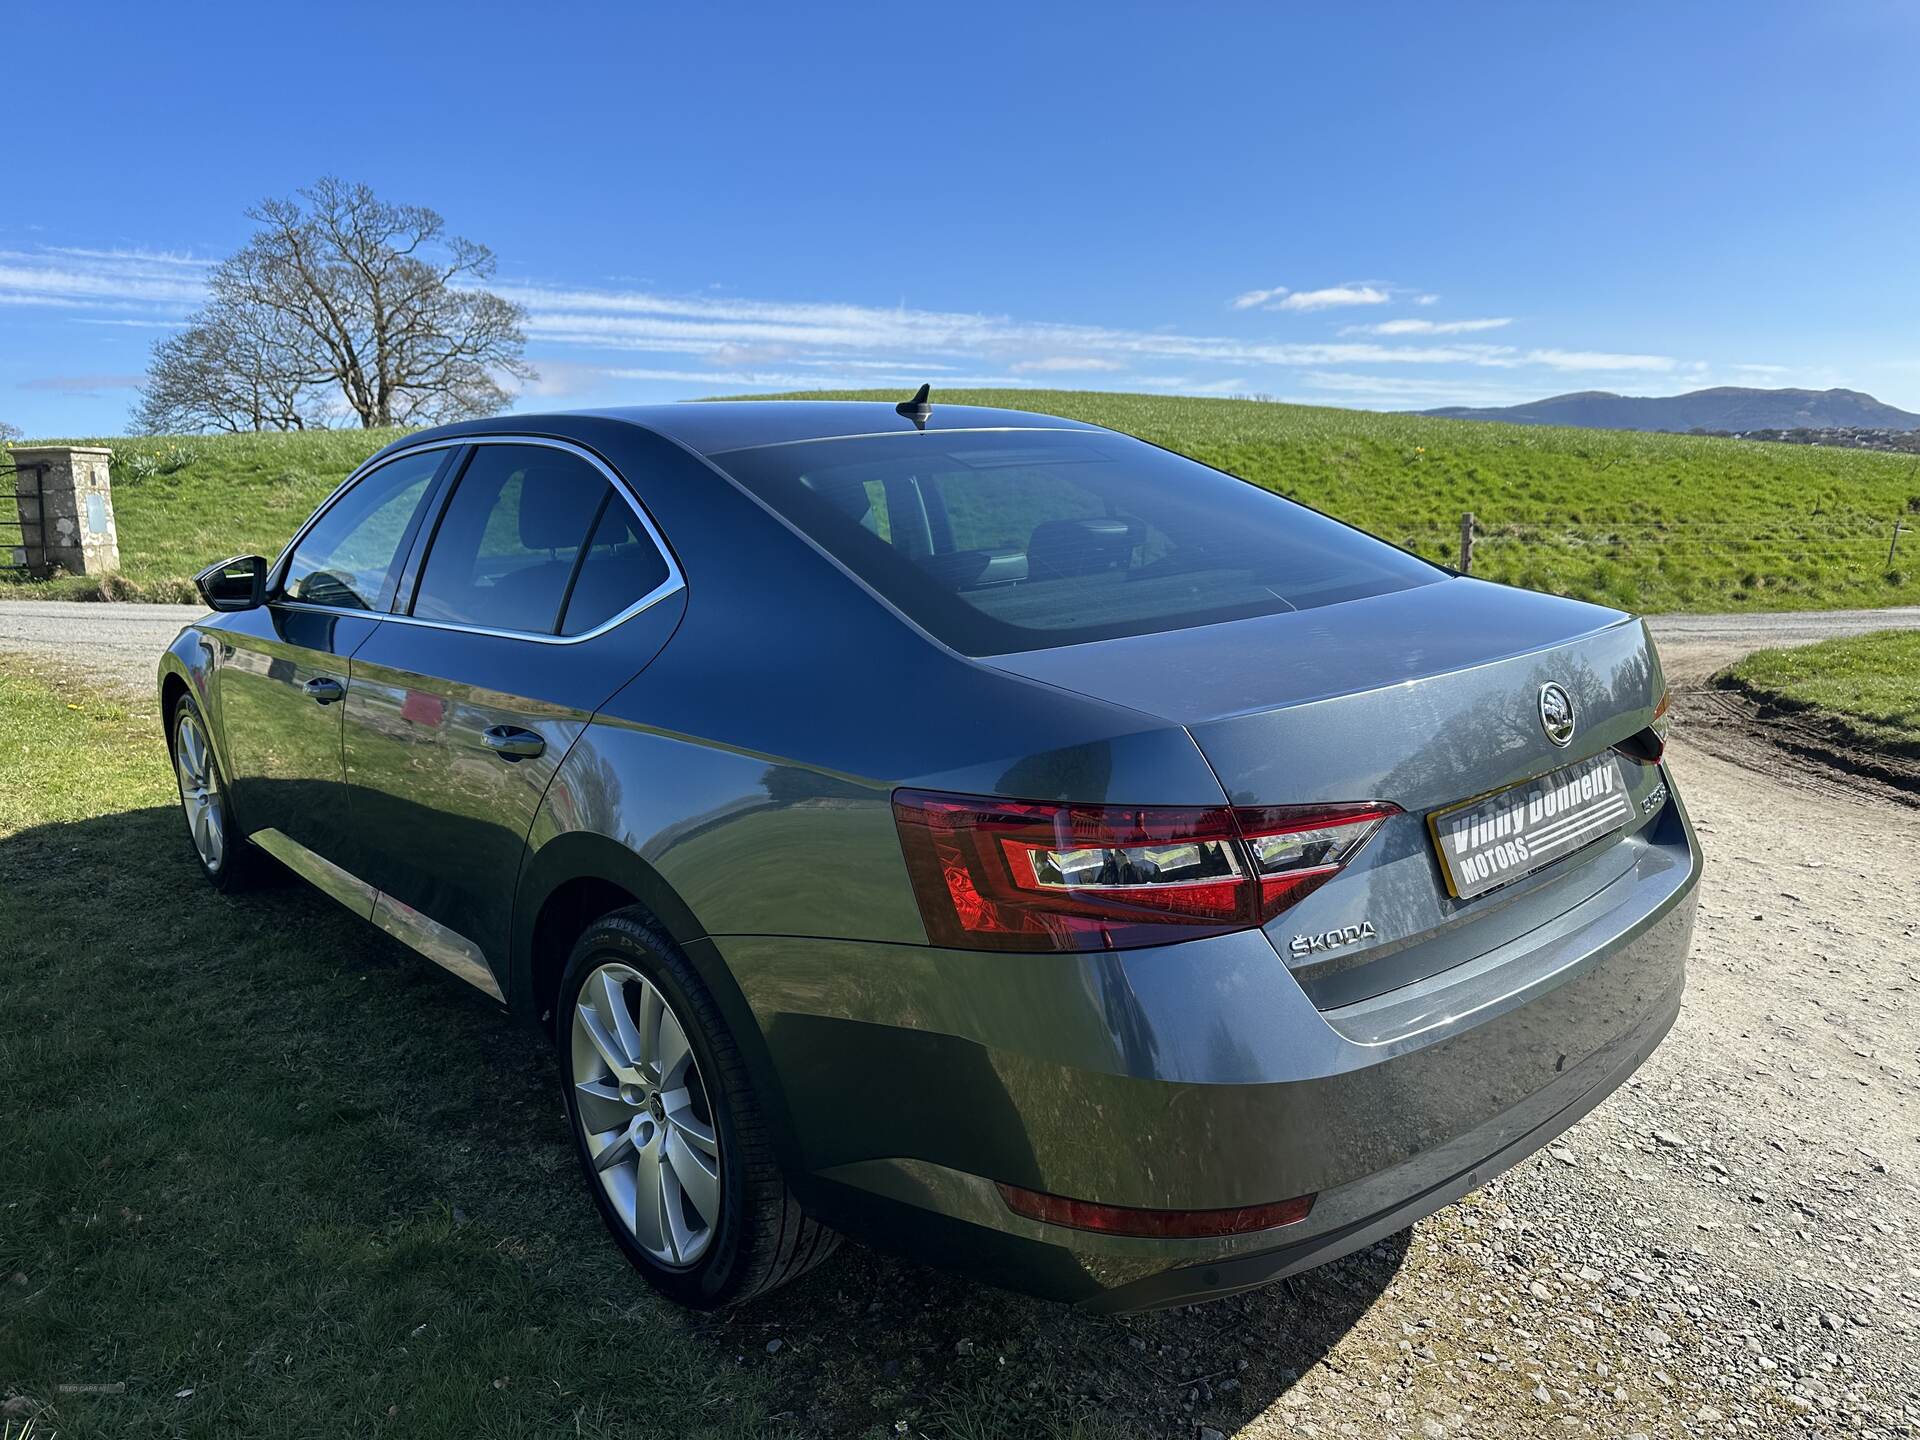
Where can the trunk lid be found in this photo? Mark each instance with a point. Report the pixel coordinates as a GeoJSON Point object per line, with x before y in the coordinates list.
{"type": "Point", "coordinates": [1426, 698]}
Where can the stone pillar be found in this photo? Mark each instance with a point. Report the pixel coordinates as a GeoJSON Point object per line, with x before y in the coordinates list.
{"type": "Point", "coordinates": [66, 508]}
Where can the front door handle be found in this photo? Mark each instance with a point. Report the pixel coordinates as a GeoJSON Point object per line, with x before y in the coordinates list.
{"type": "Point", "coordinates": [325, 689]}
{"type": "Point", "coordinates": [510, 742]}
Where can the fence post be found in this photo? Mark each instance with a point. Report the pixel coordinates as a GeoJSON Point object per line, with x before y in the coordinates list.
{"type": "Point", "coordinates": [1894, 544]}
{"type": "Point", "coordinates": [1466, 543]}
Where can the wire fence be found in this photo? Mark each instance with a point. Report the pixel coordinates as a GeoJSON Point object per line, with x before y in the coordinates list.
{"type": "Point", "coordinates": [1871, 543]}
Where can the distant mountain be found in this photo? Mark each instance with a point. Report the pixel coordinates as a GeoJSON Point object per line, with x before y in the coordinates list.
{"type": "Point", "coordinates": [1725, 407]}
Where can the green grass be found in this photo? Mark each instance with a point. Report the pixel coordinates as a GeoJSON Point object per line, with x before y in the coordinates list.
{"type": "Point", "coordinates": [1646, 522]}
{"type": "Point", "coordinates": [253, 1151]}
{"type": "Point", "coordinates": [1866, 685]}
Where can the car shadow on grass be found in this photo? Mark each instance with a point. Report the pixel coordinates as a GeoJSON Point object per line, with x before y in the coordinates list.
{"type": "Point", "coordinates": [264, 1163]}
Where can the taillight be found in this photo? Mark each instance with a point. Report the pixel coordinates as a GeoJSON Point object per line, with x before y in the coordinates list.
{"type": "Point", "coordinates": [1648, 745]}
{"type": "Point", "coordinates": [1023, 875]}
{"type": "Point", "coordinates": [1298, 848]}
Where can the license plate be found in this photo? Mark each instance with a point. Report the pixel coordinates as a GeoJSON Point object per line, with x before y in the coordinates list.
{"type": "Point", "coordinates": [1488, 842]}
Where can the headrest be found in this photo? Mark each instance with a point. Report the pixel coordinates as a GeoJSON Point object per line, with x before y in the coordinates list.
{"type": "Point", "coordinates": [547, 521]}
{"type": "Point", "coordinates": [1078, 547]}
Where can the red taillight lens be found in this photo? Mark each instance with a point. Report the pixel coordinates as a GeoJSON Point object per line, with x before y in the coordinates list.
{"type": "Point", "coordinates": [1298, 848]}
{"type": "Point", "coordinates": [1159, 1224]}
{"type": "Point", "coordinates": [1023, 875]}
{"type": "Point", "coordinates": [1649, 745]}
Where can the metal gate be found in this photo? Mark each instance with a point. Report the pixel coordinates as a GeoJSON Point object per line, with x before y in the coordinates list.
{"type": "Point", "coordinates": [23, 553]}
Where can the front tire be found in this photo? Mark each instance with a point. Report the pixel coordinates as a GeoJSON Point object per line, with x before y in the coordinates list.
{"type": "Point", "coordinates": [225, 857]}
{"type": "Point", "coordinates": [671, 1139]}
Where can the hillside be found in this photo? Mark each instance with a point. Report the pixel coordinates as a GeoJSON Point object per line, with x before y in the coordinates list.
{"type": "Point", "coordinates": [1725, 407]}
{"type": "Point", "coordinates": [1647, 522]}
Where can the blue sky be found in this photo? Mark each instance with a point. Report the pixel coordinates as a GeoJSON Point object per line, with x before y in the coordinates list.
{"type": "Point", "coordinates": [1373, 205]}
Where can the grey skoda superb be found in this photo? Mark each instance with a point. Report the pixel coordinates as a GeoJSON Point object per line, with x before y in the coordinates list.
{"type": "Point", "coordinates": [982, 833]}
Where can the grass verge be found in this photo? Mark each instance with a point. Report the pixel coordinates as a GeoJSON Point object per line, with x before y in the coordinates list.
{"type": "Point", "coordinates": [1867, 687]}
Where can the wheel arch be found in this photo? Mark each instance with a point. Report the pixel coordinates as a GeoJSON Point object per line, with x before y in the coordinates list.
{"type": "Point", "coordinates": [573, 880]}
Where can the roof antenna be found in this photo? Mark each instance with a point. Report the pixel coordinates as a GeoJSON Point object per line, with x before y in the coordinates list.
{"type": "Point", "coordinates": [917, 409]}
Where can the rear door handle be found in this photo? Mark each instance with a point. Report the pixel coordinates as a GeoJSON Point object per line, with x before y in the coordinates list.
{"type": "Point", "coordinates": [510, 742]}
{"type": "Point", "coordinates": [325, 689]}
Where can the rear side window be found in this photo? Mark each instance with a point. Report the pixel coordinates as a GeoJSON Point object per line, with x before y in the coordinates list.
{"type": "Point", "coordinates": [526, 526]}
{"type": "Point", "coordinates": [620, 566]}
{"type": "Point", "coordinates": [998, 542]}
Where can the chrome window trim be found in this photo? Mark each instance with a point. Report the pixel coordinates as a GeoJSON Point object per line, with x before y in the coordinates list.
{"type": "Point", "coordinates": [675, 578]}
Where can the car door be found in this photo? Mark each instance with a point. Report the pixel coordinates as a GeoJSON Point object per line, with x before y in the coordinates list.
{"type": "Point", "coordinates": [539, 592]}
{"type": "Point", "coordinates": [284, 670]}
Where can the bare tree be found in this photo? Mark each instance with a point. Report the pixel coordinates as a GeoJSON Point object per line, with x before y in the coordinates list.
{"type": "Point", "coordinates": [339, 291]}
{"type": "Point", "coordinates": [384, 303]}
{"type": "Point", "coordinates": [231, 369]}
{"type": "Point", "coordinates": [8, 433]}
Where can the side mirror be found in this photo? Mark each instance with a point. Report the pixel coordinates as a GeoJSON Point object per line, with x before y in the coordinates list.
{"type": "Point", "coordinates": [236, 584]}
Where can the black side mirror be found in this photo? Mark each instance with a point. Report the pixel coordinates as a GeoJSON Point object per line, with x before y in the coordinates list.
{"type": "Point", "coordinates": [236, 584]}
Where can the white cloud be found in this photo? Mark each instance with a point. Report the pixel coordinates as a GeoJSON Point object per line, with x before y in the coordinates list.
{"type": "Point", "coordinates": [1069, 364]}
{"type": "Point", "coordinates": [716, 340]}
{"type": "Point", "coordinates": [1597, 360]}
{"type": "Point", "coordinates": [813, 332]}
{"type": "Point", "coordinates": [72, 278]}
{"type": "Point", "coordinates": [1250, 298]}
{"type": "Point", "coordinates": [89, 385]}
{"type": "Point", "coordinates": [1426, 299]}
{"type": "Point", "coordinates": [1428, 327]}
{"type": "Point", "coordinates": [1333, 296]}
{"type": "Point", "coordinates": [1421, 392]}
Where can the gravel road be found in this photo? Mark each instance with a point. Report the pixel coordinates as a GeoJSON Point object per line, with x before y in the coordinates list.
{"type": "Point", "coordinates": [120, 644]}
{"type": "Point", "coordinates": [1729, 1246]}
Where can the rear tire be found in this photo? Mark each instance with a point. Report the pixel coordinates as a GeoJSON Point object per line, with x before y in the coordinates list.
{"type": "Point", "coordinates": [225, 857]}
{"type": "Point", "coordinates": [656, 1090]}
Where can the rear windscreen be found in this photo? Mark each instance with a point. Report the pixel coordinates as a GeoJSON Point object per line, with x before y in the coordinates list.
{"type": "Point", "coordinates": [1000, 541]}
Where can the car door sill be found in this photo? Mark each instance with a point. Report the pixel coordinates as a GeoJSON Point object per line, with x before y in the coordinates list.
{"type": "Point", "coordinates": [447, 948]}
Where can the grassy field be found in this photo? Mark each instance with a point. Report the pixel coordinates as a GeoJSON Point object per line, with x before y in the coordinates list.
{"type": "Point", "coordinates": [1647, 522]}
{"type": "Point", "coordinates": [264, 1172]}
{"type": "Point", "coordinates": [1867, 685]}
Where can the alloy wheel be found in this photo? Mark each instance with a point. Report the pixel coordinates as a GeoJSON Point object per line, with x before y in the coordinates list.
{"type": "Point", "coordinates": [646, 1115]}
{"type": "Point", "coordinates": [200, 791]}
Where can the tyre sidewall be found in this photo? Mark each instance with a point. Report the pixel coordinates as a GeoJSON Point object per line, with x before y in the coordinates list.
{"type": "Point", "coordinates": [233, 871]}
{"type": "Point", "coordinates": [710, 1282]}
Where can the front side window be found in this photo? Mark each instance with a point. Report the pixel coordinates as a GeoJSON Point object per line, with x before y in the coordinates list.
{"type": "Point", "coordinates": [531, 537]}
{"type": "Point", "coordinates": [348, 559]}
{"type": "Point", "coordinates": [998, 542]}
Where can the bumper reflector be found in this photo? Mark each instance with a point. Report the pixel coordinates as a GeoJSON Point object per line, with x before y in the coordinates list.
{"type": "Point", "coordinates": [1154, 1224]}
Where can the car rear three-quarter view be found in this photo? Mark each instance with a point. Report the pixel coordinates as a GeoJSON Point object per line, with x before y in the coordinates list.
{"type": "Point", "coordinates": [987, 835]}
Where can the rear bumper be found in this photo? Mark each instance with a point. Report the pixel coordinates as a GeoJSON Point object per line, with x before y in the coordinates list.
{"type": "Point", "coordinates": [1197, 1077]}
